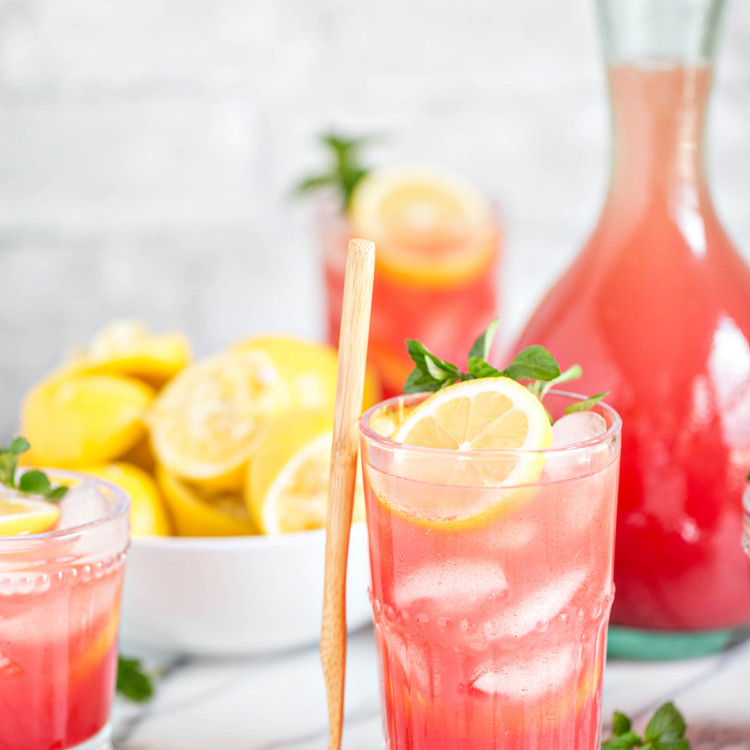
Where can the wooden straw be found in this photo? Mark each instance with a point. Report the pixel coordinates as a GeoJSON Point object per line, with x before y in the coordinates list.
{"type": "Point", "coordinates": [355, 324]}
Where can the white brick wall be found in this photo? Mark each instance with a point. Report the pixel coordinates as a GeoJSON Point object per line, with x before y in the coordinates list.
{"type": "Point", "coordinates": [147, 148]}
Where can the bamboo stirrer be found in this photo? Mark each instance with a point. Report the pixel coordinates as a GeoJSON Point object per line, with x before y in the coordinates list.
{"type": "Point", "coordinates": [355, 324]}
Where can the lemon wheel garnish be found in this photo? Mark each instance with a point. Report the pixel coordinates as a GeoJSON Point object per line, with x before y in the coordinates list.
{"type": "Point", "coordinates": [288, 476]}
{"type": "Point", "coordinates": [481, 419]}
{"type": "Point", "coordinates": [83, 419]}
{"type": "Point", "coordinates": [26, 515]}
{"type": "Point", "coordinates": [148, 516]}
{"type": "Point", "coordinates": [209, 420]}
{"type": "Point", "coordinates": [431, 226]}
{"type": "Point", "coordinates": [197, 514]}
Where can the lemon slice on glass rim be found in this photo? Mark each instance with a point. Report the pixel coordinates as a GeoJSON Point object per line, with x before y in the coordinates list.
{"type": "Point", "coordinates": [431, 226]}
{"type": "Point", "coordinates": [498, 430]}
{"type": "Point", "coordinates": [21, 515]}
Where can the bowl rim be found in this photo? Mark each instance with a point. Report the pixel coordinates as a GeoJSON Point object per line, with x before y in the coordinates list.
{"type": "Point", "coordinates": [257, 541]}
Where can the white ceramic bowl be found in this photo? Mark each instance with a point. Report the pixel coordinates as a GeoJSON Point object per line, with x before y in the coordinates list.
{"type": "Point", "coordinates": [235, 595]}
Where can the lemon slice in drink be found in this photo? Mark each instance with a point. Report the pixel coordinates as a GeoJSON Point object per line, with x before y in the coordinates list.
{"type": "Point", "coordinates": [21, 515]}
{"type": "Point", "coordinates": [431, 226]}
{"type": "Point", "coordinates": [288, 476]}
{"type": "Point", "coordinates": [475, 418]}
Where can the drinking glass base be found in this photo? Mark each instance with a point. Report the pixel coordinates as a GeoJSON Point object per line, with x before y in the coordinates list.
{"type": "Point", "coordinates": [658, 645]}
{"type": "Point", "coordinates": [102, 740]}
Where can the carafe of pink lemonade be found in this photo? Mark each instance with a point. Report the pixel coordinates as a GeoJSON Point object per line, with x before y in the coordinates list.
{"type": "Point", "coordinates": [657, 310]}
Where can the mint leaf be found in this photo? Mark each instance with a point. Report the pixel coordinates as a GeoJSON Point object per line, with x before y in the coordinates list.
{"type": "Point", "coordinates": [478, 368]}
{"type": "Point", "coordinates": [132, 681]}
{"type": "Point", "coordinates": [620, 724]}
{"type": "Point", "coordinates": [57, 494]}
{"type": "Point", "coordinates": [345, 170]}
{"type": "Point", "coordinates": [34, 482]}
{"type": "Point", "coordinates": [480, 349]}
{"type": "Point", "coordinates": [666, 726]}
{"type": "Point", "coordinates": [586, 404]}
{"type": "Point", "coordinates": [626, 741]}
{"type": "Point", "coordinates": [430, 372]}
{"type": "Point", "coordinates": [533, 363]}
{"type": "Point", "coordinates": [18, 446]}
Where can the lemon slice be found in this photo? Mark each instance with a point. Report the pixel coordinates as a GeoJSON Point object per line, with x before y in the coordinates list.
{"type": "Point", "coordinates": [477, 418]}
{"type": "Point", "coordinates": [148, 516]}
{"type": "Point", "coordinates": [197, 514]}
{"type": "Point", "coordinates": [83, 419]}
{"type": "Point", "coordinates": [431, 226]}
{"type": "Point", "coordinates": [127, 347]}
{"type": "Point", "coordinates": [288, 480]}
{"type": "Point", "coordinates": [20, 515]}
{"type": "Point", "coordinates": [209, 420]}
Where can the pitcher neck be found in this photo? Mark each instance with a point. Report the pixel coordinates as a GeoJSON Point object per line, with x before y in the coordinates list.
{"type": "Point", "coordinates": [659, 56]}
{"type": "Point", "coordinates": [659, 116]}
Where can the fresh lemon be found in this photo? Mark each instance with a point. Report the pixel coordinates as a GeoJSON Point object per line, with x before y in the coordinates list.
{"type": "Point", "coordinates": [431, 226]}
{"type": "Point", "coordinates": [309, 369]}
{"type": "Point", "coordinates": [200, 515]}
{"type": "Point", "coordinates": [209, 420]}
{"type": "Point", "coordinates": [472, 417]}
{"type": "Point", "coordinates": [21, 515]}
{"type": "Point", "coordinates": [83, 419]}
{"type": "Point", "coordinates": [148, 516]}
{"type": "Point", "coordinates": [287, 488]}
{"type": "Point", "coordinates": [126, 347]}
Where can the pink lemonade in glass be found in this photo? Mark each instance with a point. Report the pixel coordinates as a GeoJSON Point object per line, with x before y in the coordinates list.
{"type": "Point", "coordinates": [491, 625]}
{"type": "Point", "coordinates": [59, 616]}
{"type": "Point", "coordinates": [436, 274]}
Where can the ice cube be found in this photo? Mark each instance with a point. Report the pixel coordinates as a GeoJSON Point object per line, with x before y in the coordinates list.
{"type": "Point", "coordinates": [529, 677]}
{"type": "Point", "coordinates": [454, 584]}
{"type": "Point", "coordinates": [82, 504]}
{"type": "Point", "coordinates": [9, 668]}
{"type": "Point", "coordinates": [540, 606]}
{"type": "Point", "coordinates": [577, 427]}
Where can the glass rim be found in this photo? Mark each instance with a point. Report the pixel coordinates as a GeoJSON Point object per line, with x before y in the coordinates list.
{"type": "Point", "coordinates": [120, 507]}
{"type": "Point", "coordinates": [371, 435]}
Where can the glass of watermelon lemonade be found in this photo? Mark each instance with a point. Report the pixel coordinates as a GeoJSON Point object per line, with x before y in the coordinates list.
{"type": "Point", "coordinates": [492, 582]}
{"type": "Point", "coordinates": [59, 617]}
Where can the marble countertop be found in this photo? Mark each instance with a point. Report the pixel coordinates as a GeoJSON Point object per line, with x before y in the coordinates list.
{"type": "Point", "coordinates": [278, 702]}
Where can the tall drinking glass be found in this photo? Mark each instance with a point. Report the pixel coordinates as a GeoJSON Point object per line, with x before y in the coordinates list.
{"type": "Point", "coordinates": [441, 292]}
{"type": "Point", "coordinates": [59, 617]}
{"type": "Point", "coordinates": [490, 602]}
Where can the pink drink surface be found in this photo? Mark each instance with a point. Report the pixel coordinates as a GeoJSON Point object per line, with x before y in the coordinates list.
{"type": "Point", "coordinates": [491, 635]}
{"type": "Point", "coordinates": [656, 311]}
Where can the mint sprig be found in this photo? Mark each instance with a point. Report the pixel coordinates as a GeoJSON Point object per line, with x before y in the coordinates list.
{"type": "Point", "coordinates": [534, 365]}
{"type": "Point", "coordinates": [345, 170]}
{"type": "Point", "coordinates": [133, 682]}
{"type": "Point", "coordinates": [32, 482]}
{"type": "Point", "coordinates": [665, 731]}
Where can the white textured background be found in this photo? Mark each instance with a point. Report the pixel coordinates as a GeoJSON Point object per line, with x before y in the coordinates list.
{"type": "Point", "coordinates": [147, 148]}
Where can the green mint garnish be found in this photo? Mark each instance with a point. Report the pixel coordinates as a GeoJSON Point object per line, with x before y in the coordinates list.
{"type": "Point", "coordinates": [133, 682]}
{"type": "Point", "coordinates": [33, 482]}
{"type": "Point", "coordinates": [534, 364]}
{"type": "Point", "coordinates": [345, 171]}
{"type": "Point", "coordinates": [665, 731]}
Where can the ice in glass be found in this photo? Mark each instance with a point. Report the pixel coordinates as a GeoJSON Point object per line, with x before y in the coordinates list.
{"type": "Point", "coordinates": [491, 600]}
